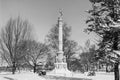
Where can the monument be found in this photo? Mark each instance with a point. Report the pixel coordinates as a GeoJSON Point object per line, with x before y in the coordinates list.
{"type": "Point", "coordinates": [60, 64]}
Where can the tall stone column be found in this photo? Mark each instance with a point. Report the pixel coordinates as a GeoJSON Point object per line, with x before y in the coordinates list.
{"type": "Point", "coordinates": [60, 52]}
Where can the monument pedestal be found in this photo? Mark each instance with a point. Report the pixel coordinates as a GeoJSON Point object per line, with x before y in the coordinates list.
{"type": "Point", "coordinates": [61, 67]}
{"type": "Point", "coordinates": [61, 70]}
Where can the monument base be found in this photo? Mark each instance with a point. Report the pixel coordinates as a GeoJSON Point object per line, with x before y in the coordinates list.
{"type": "Point", "coordinates": [61, 70]}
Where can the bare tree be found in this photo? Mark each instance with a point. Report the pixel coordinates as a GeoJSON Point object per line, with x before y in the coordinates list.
{"type": "Point", "coordinates": [15, 31]}
{"type": "Point", "coordinates": [36, 53]}
{"type": "Point", "coordinates": [87, 57]}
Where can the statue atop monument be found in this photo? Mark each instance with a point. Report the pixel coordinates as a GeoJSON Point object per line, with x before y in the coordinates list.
{"type": "Point", "coordinates": [61, 12]}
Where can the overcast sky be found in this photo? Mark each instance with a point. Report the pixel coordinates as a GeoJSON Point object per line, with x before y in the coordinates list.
{"type": "Point", "coordinates": [43, 14]}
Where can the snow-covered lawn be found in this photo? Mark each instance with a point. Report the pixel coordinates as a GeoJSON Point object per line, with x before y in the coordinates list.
{"type": "Point", "coordinates": [75, 76]}
{"type": "Point", "coordinates": [102, 76]}
{"type": "Point", "coordinates": [99, 76]}
{"type": "Point", "coordinates": [20, 76]}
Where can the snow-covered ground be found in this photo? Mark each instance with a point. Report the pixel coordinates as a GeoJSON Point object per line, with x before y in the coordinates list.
{"type": "Point", "coordinates": [98, 76]}
{"type": "Point", "coordinates": [32, 76]}
{"type": "Point", "coordinates": [20, 76]}
{"type": "Point", "coordinates": [102, 76]}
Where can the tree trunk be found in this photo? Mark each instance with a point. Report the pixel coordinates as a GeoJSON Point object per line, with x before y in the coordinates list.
{"type": "Point", "coordinates": [87, 68]}
{"type": "Point", "coordinates": [107, 67]}
{"type": "Point", "coordinates": [69, 64]}
{"type": "Point", "coordinates": [34, 67]}
{"type": "Point", "coordinates": [115, 47]}
{"type": "Point", "coordinates": [116, 71]}
{"type": "Point", "coordinates": [98, 66]}
{"type": "Point", "coordinates": [13, 68]}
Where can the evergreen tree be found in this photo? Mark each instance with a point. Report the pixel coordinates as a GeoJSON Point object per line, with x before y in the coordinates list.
{"type": "Point", "coordinates": [104, 21]}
